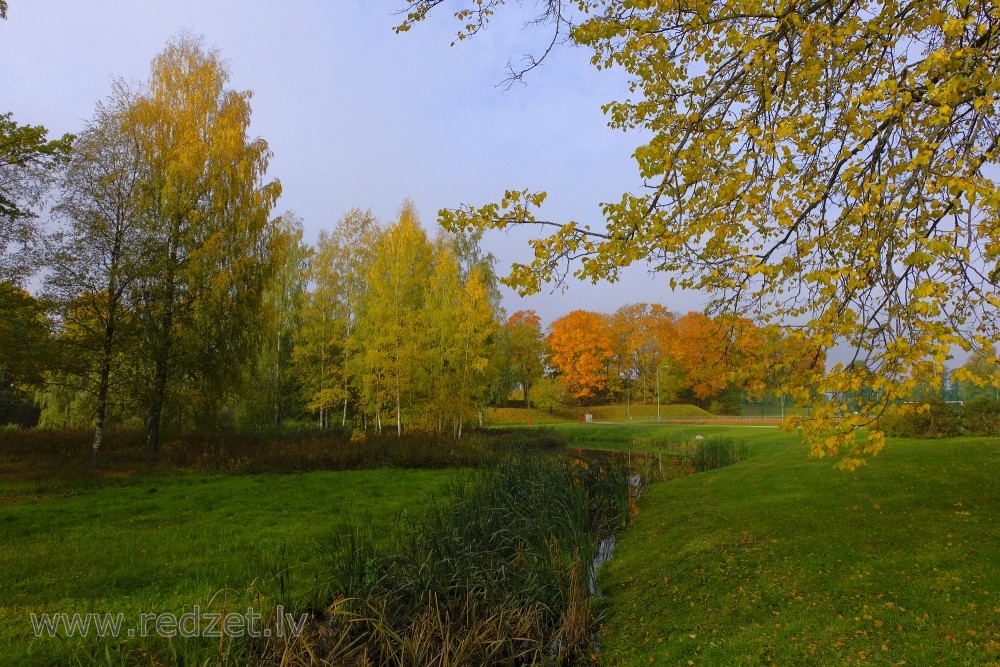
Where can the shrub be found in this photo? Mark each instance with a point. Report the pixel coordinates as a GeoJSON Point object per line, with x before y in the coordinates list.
{"type": "Point", "coordinates": [942, 420]}
{"type": "Point", "coordinates": [981, 417]}
{"type": "Point", "coordinates": [33, 452]}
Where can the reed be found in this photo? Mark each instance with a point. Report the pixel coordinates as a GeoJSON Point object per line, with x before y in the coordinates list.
{"type": "Point", "coordinates": [499, 574]}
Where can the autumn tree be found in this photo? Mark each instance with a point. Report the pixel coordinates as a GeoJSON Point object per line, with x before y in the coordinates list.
{"type": "Point", "coordinates": [274, 394]}
{"type": "Point", "coordinates": [982, 373]}
{"type": "Point", "coordinates": [338, 271]}
{"type": "Point", "coordinates": [825, 164]}
{"type": "Point", "coordinates": [580, 352]}
{"type": "Point", "coordinates": [28, 164]}
{"type": "Point", "coordinates": [642, 335]}
{"type": "Point", "coordinates": [386, 343]}
{"type": "Point", "coordinates": [700, 355]}
{"type": "Point", "coordinates": [477, 325]}
{"type": "Point", "coordinates": [458, 326]}
{"type": "Point", "coordinates": [443, 354]}
{"type": "Point", "coordinates": [526, 350]}
{"type": "Point", "coordinates": [96, 260]}
{"type": "Point", "coordinates": [207, 228]}
{"type": "Point", "coordinates": [773, 357]}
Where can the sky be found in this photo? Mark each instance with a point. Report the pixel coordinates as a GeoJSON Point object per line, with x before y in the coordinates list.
{"type": "Point", "coordinates": [359, 116]}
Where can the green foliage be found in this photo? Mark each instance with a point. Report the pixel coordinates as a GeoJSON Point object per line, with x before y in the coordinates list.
{"type": "Point", "coordinates": [273, 392]}
{"type": "Point", "coordinates": [24, 337]}
{"type": "Point", "coordinates": [550, 394]}
{"type": "Point", "coordinates": [28, 161]}
{"type": "Point", "coordinates": [17, 408]}
{"type": "Point", "coordinates": [63, 407]}
{"type": "Point", "coordinates": [526, 349]}
{"type": "Point", "coordinates": [937, 419]}
{"type": "Point", "coordinates": [981, 417]}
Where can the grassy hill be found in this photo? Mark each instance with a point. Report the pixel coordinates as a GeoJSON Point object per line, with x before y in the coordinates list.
{"type": "Point", "coordinates": [616, 412]}
{"type": "Point", "coordinates": [783, 560]}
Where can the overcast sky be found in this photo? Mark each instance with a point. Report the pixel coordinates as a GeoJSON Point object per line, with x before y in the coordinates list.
{"type": "Point", "coordinates": [358, 116]}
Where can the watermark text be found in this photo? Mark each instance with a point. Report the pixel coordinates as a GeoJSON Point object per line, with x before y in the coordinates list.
{"type": "Point", "coordinates": [195, 623]}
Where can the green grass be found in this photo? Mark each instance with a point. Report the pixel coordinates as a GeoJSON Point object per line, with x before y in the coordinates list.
{"type": "Point", "coordinates": [781, 559]}
{"type": "Point", "coordinates": [657, 438]}
{"type": "Point", "coordinates": [165, 543]}
{"type": "Point", "coordinates": [778, 559]}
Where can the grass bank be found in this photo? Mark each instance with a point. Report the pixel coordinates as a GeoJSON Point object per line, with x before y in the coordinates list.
{"type": "Point", "coordinates": [600, 413]}
{"type": "Point", "coordinates": [781, 559]}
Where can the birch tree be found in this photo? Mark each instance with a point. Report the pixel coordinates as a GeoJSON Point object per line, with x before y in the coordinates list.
{"type": "Point", "coordinates": [274, 393]}
{"type": "Point", "coordinates": [98, 259]}
{"type": "Point", "coordinates": [207, 225]}
{"type": "Point", "coordinates": [338, 275]}
{"type": "Point", "coordinates": [387, 341]}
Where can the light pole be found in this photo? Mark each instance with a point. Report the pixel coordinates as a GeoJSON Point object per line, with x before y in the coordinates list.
{"type": "Point", "coordinates": [658, 391]}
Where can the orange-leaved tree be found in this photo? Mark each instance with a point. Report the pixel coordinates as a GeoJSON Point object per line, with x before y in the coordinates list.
{"type": "Point", "coordinates": [580, 352]}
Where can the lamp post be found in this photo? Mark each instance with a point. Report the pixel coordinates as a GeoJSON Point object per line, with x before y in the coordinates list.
{"type": "Point", "coordinates": [658, 391]}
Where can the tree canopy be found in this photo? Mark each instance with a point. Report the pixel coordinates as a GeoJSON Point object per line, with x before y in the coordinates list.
{"type": "Point", "coordinates": [28, 161]}
{"type": "Point", "coordinates": [828, 164]}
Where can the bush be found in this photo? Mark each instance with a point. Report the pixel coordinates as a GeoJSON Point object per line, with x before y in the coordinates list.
{"type": "Point", "coordinates": [981, 417]}
{"type": "Point", "coordinates": [942, 420]}
{"type": "Point", "coordinates": [39, 452]}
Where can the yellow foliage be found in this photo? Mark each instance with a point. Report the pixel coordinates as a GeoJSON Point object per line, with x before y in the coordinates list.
{"type": "Point", "coordinates": [801, 170]}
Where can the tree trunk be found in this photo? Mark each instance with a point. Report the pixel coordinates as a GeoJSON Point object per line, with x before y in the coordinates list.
{"type": "Point", "coordinates": [162, 351]}
{"type": "Point", "coordinates": [102, 404]}
{"type": "Point", "coordinates": [277, 383]}
{"type": "Point", "coordinates": [156, 408]}
{"type": "Point", "coordinates": [102, 388]}
{"type": "Point", "coordinates": [159, 385]}
{"type": "Point", "coordinates": [399, 409]}
{"type": "Point", "coordinates": [399, 418]}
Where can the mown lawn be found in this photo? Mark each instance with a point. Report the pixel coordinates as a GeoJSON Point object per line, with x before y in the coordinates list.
{"type": "Point", "coordinates": [781, 559]}
{"type": "Point", "coordinates": [166, 543]}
